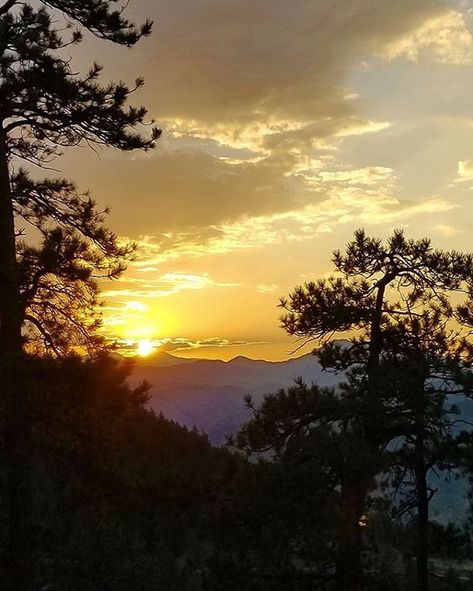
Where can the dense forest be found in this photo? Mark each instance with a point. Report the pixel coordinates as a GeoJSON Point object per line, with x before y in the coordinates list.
{"type": "Point", "coordinates": [325, 488]}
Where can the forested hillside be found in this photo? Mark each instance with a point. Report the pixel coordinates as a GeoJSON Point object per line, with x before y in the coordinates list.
{"type": "Point", "coordinates": [210, 394]}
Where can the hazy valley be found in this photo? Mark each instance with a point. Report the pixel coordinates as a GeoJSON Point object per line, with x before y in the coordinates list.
{"type": "Point", "coordinates": [209, 394]}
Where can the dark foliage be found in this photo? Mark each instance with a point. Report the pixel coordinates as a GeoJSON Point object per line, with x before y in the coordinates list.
{"type": "Point", "coordinates": [408, 353]}
{"type": "Point", "coordinates": [46, 107]}
{"type": "Point", "coordinates": [122, 496]}
{"type": "Point", "coordinates": [48, 290]}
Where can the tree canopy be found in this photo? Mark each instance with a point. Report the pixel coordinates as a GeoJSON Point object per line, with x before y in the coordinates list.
{"type": "Point", "coordinates": [403, 313]}
{"type": "Point", "coordinates": [46, 106]}
{"type": "Point", "coordinates": [54, 242]}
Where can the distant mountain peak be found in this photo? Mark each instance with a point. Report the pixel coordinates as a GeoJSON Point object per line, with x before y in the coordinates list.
{"type": "Point", "coordinates": [209, 393]}
{"type": "Point", "coordinates": [242, 360]}
{"type": "Point", "coordinates": [161, 359]}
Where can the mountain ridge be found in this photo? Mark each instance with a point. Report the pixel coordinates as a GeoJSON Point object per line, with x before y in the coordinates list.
{"type": "Point", "coordinates": [209, 394]}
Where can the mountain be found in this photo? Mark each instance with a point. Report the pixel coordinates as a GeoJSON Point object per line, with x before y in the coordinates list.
{"type": "Point", "coordinates": [209, 394]}
{"type": "Point", "coordinates": [162, 359]}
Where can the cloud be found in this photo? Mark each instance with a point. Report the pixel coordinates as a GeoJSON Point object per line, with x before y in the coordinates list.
{"type": "Point", "coordinates": [247, 61]}
{"type": "Point", "coordinates": [135, 305]}
{"type": "Point", "coordinates": [258, 139]}
{"type": "Point", "coordinates": [272, 288]}
{"type": "Point", "coordinates": [368, 176]}
{"type": "Point", "coordinates": [446, 230]}
{"type": "Point", "coordinates": [444, 39]}
{"type": "Point", "coordinates": [465, 169]}
{"type": "Point", "coordinates": [165, 285]}
{"type": "Point", "coordinates": [355, 197]}
{"type": "Point", "coordinates": [255, 100]}
{"type": "Point", "coordinates": [179, 344]}
{"type": "Point", "coordinates": [196, 189]}
{"type": "Point", "coordinates": [128, 347]}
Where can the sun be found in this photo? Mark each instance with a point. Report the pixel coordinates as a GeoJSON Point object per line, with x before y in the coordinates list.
{"type": "Point", "coordinates": [144, 347]}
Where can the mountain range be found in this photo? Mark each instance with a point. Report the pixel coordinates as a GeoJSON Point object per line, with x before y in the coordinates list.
{"type": "Point", "coordinates": [209, 394]}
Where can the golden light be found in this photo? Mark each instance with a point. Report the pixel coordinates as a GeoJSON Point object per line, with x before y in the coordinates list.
{"type": "Point", "coordinates": [136, 306]}
{"type": "Point", "coordinates": [144, 347]}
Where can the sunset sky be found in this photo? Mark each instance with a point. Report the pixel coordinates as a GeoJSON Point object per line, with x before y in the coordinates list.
{"type": "Point", "coordinates": [286, 126]}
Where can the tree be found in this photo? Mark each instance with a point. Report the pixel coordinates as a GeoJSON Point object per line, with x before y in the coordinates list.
{"type": "Point", "coordinates": [119, 491]}
{"type": "Point", "coordinates": [380, 293]}
{"type": "Point", "coordinates": [45, 107]}
{"type": "Point", "coordinates": [427, 366]}
{"type": "Point", "coordinates": [274, 528]}
{"type": "Point", "coordinates": [308, 430]}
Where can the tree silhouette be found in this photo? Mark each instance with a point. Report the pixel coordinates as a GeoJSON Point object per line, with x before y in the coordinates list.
{"type": "Point", "coordinates": [386, 299]}
{"type": "Point", "coordinates": [120, 492]}
{"type": "Point", "coordinates": [427, 365]}
{"type": "Point", "coordinates": [45, 107]}
{"type": "Point", "coordinates": [310, 427]}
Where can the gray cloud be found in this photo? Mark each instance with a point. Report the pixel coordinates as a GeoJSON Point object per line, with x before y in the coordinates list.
{"type": "Point", "coordinates": [255, 98]}
{"type": "Point", "coordinates": [246, 60]}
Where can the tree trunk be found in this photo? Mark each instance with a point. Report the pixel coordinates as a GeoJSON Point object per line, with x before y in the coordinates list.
{"type": "Point", "coordinates": [13, 393]}
{"type": "Point", "coordinates": [349, 566]}
{"type": "Point", "coordinates": [355, 487]}
{"type": "Point", "coordinates": [422, 550]}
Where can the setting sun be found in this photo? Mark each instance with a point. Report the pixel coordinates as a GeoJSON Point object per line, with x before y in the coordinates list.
{"type": "Point", "coordinates": [144, 348]}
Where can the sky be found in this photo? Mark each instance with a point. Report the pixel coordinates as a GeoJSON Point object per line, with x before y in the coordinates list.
{"type": "Point", "coordinates": [286, 126]}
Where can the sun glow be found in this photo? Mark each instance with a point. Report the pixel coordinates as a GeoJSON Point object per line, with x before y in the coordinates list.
{"type": "Point", "coordinates": [145, 347]}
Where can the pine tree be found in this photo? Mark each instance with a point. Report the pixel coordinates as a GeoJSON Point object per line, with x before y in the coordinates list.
{"type": "Point", "coordinates": [45, 107]}
{"type": "Point", "coordinates": [380, 293]}
{"type": "Point", "coordinates": [427, 367]}
{"type": "Point", "coordinates": [310, 429]}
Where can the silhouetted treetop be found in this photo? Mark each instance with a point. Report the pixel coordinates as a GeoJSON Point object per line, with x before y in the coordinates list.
{"type": "Point", "coordinates": [55, 107]}
{"type": "Point", "coordinates": [101, 17]}
{"type": "Point", "coordinates": [44, 104]}
{"type": "Point", "coordinates": [392, 280]}
{"type": "Point", "coordinates": [45, 107]}
{"type": "Point", "coordinates": [413, 260]}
